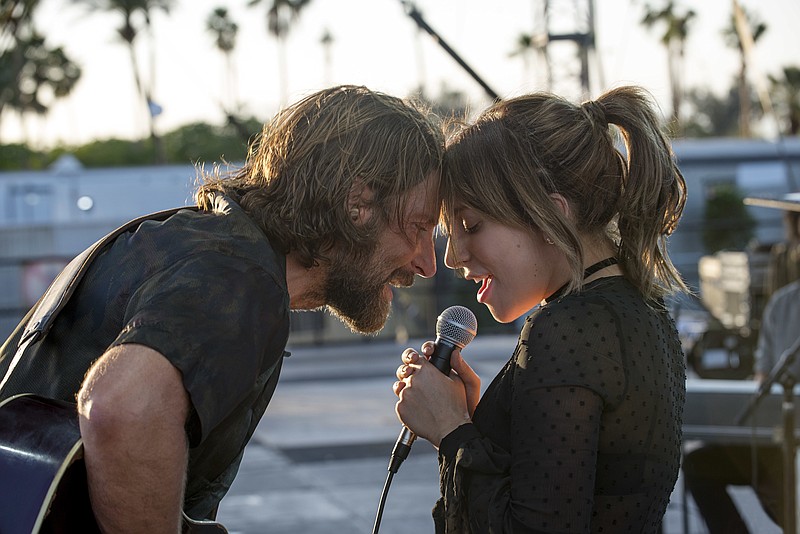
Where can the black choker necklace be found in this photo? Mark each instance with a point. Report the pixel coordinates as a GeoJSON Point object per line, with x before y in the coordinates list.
{"type": "Point", "coordinates": [602, 264]}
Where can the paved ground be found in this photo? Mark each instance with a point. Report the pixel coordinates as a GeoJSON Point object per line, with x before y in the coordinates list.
{"type": "Point", "coordinates": [318, 461]}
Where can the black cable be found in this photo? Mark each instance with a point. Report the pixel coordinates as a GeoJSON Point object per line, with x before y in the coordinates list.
{"type": "Point", "coordinates": [382, 502]}
{"type": "Point", "coordinates": [400, 452]}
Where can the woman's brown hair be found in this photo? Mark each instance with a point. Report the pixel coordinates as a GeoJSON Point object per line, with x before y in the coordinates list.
{"type": "Point", "coordinates": [520, 151]}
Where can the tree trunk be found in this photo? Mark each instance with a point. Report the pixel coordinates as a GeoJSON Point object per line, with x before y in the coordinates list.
{"type": "Point", "coordinates": [744, 101]}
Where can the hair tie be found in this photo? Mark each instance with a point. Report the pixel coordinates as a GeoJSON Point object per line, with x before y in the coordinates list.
{"type": "Point", "coordinates": [594, 112]}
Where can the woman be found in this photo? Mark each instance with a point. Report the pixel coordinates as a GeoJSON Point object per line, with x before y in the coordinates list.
{"type": "Point", "coordinates": [580, 431]}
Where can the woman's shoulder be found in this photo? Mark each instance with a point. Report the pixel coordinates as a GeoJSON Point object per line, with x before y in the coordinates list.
{"type": "Point", "coordinates": [593, 313]}
{"type": "Point", "coordinates": [613, 294]}
{"type": "Point", "coordinates": [573, 341]}
{"type": "Point", "coordinates": [598, 295]}
{"type": "Point", "coordinates": [565, 319]}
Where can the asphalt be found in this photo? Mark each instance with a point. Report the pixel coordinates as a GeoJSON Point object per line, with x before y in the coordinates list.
{"type": "Point", "coordinates": [318, 460]}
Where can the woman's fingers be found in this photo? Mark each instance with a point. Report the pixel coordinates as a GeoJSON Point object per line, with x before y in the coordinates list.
{"type": "Point", "coordinates": [411, 362]}
{"type": "Point", "coordinates": [405, 370]}
{"type": "Point", "coordinates": [464, 370]}
{"type": "Point", "coordinates": [470, 379]}
{"type": "Point", "coordinates": [398, 386]}
{"type": "Point", "coordinates": [409, 356]}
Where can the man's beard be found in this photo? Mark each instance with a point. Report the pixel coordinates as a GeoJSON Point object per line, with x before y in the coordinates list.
{"type": "Point", "coordinates": [354, 292]}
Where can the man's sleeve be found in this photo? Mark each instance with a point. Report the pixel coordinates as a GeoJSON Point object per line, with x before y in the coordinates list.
{"type": "Point", "coordinates": [217, 320]}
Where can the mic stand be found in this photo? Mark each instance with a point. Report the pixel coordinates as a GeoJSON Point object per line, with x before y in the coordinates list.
{"type": "Point", "coordinates": [780, 374]}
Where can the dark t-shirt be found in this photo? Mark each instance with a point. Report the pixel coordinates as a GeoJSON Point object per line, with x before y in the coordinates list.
{"type": "Point", "coordinates": [580, 431]}
{"type": "Point", "coordinates": [206, 290]}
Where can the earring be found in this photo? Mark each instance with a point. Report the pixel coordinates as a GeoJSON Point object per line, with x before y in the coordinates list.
{"type": "Point", "coordinates": [549, 241]}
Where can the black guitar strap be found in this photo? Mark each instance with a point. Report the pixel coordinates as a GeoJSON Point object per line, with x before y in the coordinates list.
{"type": "Point", "coordinates": [62, 288]}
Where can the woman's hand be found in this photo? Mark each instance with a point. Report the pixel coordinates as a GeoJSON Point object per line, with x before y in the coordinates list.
{"type": "Point", "coordinates": [430, 403]}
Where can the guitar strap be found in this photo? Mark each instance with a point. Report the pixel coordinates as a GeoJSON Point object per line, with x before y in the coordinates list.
{"type": "Point", "coordinates": [62, 288]}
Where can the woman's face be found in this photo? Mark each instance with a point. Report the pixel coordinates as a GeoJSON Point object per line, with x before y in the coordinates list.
{"type": "Point", "coordinates": [516, 269]}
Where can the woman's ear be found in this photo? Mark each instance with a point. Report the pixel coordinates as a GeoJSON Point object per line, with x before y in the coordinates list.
{"type": "Point", "coordinates": [561, 204]}
{"type": "Point", "coordinates": [359, 202]}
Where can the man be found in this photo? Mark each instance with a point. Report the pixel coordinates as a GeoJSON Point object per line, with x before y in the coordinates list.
{"type": "Point", "coordinates": [172, 343]}
{"type": "Point", "coordinates": [784, 258]}
{"type": "Point", "coordinates": [711, 468]}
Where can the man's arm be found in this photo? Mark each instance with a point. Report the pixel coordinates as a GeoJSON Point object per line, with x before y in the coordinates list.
{"type": "Point", "coordinates": [132, 410]}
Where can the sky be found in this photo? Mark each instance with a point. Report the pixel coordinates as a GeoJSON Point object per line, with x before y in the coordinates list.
{"type": "Point", "coordinates": [375, 43]}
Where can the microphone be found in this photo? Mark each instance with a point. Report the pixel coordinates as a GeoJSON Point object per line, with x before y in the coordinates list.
{"type": "Point", "coordinates": [455, 327]}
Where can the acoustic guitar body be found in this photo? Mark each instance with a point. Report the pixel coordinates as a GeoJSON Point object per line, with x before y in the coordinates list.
{"type": "Point", "coordinates": [42, 475]}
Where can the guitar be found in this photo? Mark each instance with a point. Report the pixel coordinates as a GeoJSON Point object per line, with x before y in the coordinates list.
{"type": "Point", "coordinates": [42, 474]}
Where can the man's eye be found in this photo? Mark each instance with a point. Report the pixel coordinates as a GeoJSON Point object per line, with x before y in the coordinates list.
{"type": "Point", "coordinates": [422, 228]}
{"type": "Point", "coordinates": [418, 230]}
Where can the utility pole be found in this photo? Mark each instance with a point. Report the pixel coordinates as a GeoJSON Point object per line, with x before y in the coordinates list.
{"type": "Point", "coordinates": [564, 35]}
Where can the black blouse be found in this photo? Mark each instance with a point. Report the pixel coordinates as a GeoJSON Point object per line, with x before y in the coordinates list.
{"type": "Point", "coordinates": [580, 431]}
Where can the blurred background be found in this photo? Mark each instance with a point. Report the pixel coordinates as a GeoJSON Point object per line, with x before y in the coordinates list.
{"type": "Point", "coordinates": [108, 106]}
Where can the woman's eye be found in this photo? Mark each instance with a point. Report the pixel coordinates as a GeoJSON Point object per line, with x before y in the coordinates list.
{"type": "Point", "coordinates": [470, 228]}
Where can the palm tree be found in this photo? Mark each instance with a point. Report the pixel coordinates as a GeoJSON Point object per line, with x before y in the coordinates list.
{"type": "Point", "coordinates": [280, 15]}
{"type": "Point", "coordinates": [714, 116]}
{"type": "Point", "coordinates": [128, 32]}
{"type": "Point", "coordinates": [225, 30]}
{"type": "Point", "coordinates": [15, 15]}
{"type": "Point", "coordinates": [676, 30]}
{"type": "Point", "coordinates": [786, 97]}
{"type": "Point", "coordinates": [28, 67]}
{"type": "Point", "coordinates": [734, 38]}
{"type": "Point", "coordinates": [525, 45]}
{"type": "Point", "coordinates": [326, 40]}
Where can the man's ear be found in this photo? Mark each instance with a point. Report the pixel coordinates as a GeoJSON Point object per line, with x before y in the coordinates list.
{"type": "Point", "coordinates": [359, 202]}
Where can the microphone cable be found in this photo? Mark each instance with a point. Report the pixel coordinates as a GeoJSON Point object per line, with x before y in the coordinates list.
{"type": "Point", "coordinates": [382, 502]}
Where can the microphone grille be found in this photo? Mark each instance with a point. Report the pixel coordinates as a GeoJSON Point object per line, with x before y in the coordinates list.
{"type": "Point", "coordinates": [458, 325]}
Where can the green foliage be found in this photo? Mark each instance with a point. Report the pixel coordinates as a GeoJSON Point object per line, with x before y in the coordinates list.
{"type": "Point", "coordinates": [32, 74]}
{"type": "Point", "coordinates": [206, 143]}
{"type": "Point", "coordinates": [727, 224]}
{"type": "Point", "coordinates": [17, 156]}
{"type": "Point", "coordinates": [785, 92]}
{"type": "Point", "coordinates": [676, 26]}
{"type": "Point", "coordinates": [115, 153]}
{"type": "Point", "coordinates": [192, 143]}
{"type": "Point", "coordinates": [224, 29]}
{"type": "Point", "coordinates": [714, 116]}
{"type": "Point", "coordinates": [754, 23]}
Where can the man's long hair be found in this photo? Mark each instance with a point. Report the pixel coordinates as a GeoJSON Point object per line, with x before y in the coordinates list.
{"type": "Point", "coordinates": [299, 174]}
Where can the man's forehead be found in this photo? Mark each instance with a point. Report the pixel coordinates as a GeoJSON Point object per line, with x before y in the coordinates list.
{"type": "Point", "coordinates": [423, 201]}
